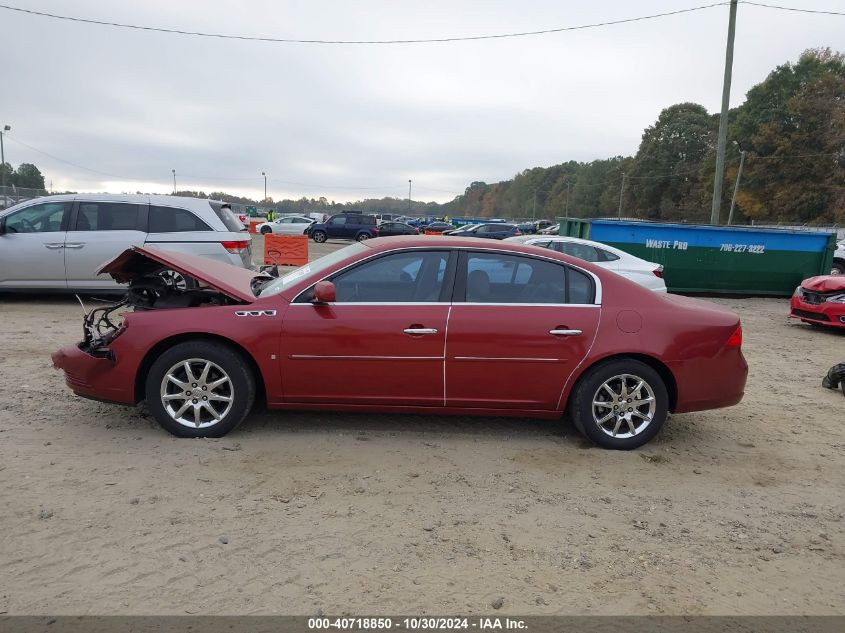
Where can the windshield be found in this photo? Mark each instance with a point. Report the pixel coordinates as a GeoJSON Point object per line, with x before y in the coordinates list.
{"type": "Point", "coordinates": [312, 269]}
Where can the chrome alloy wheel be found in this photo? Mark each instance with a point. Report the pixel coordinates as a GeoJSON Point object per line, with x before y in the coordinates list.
{"type": "Point", "coordinates": [623, 406]}
{"type": "Point", "coordinates": [197, 393]}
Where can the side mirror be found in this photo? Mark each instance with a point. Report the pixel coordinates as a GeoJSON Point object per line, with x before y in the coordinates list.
{"type": "Point", "coordinates": [324, 292]}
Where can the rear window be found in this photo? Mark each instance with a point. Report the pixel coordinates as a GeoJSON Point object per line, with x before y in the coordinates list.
{"type": "Point", "coordinates": [174, 220]}
{"type": "Point", "coordinates": [227, 216]}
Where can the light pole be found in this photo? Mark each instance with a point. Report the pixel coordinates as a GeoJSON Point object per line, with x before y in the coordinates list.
{"type": "Point", "coordinates": [621, 192]}
{"type": "Point", "coordinates": [409, 196]}
{"type": "Point", "coordinates": [265, 185]}
{"type": "Point", "coordinates": [6, 128]}
{"type": "Point", "coordinates": [174, 181]}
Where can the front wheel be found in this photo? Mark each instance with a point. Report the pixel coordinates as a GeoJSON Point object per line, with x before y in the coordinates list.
{"type": "Point", "coordinates": [319, 236]}
{"type": "Point", "coordinates": [837, 269]}
{"type": "Point", "coordinates": [620, 404]}
{"type": "Point", "coordinates": [265, 230]}
{"type": "Point", "coordinates": [200, 389]}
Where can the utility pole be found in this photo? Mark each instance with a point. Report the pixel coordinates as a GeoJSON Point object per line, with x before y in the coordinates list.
{"type": "Point", "coordinates": [265, 184]}
{"type": "Point", "coordinates": [6, 128]}
{"type": "Point", "coordinates": [736, 186]}
{"type": "Point", "coordinates": [409, 196]}
{"type": "Point", "coordinates": [723, 118]}
{"type": "Point", "coordinates": [566, 205]}
{"type": "Point", "coordinates": [534, 208]}
{"type": "Point", "coordinates": [621, 191]}
{"type": "Point", "coordinates": [174, 181]}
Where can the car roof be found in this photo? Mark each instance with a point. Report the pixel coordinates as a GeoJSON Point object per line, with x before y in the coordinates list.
{"type": "Point", "coordinates": [180, 201]}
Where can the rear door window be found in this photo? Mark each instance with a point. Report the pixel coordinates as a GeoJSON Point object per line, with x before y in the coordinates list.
{"type": "Point", "coordinates": [108, 216]}
{"type": "Point", "coordinates": [513, 279]}
{"type": "Point", "coordinates": [175, 220]}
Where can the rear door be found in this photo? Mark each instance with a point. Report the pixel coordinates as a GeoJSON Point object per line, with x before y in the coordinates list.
{"type": "Point", "coordinates": [100, 230]}
{"type": "Point", "coordinates": [32, 253]}
{"type": "Point", "coordinates": [519, 326]}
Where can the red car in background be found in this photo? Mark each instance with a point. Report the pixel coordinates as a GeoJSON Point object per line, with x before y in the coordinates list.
{"type": "Point", "coordinates": [820, 301]}
{"type": "Point", "coordinates": [431, 325]}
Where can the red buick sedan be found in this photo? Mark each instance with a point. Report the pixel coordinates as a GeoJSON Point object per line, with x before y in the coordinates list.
{"type": "Point", "coordinates": [407, 324]}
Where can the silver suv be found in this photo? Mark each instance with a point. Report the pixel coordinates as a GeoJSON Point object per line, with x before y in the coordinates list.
{"type": "Point", "coordinates": [59, 242]}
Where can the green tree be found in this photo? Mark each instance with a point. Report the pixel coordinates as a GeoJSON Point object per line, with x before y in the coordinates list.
{"type": "Point", "coordinates": [28, 176]}
{"type": "Point", "coordinates": [792, 127]}
{"type": "Point", "coordinates": [666, 170]}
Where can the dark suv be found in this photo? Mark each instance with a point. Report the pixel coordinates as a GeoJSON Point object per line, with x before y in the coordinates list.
{"type": "Point", "coordinates": [345, 226]}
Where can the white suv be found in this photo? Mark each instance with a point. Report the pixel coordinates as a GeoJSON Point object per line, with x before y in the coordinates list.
{"type": "Point", "coordinates": [59, 242]}
{"type": "Point", "coordinates": [838, 267]}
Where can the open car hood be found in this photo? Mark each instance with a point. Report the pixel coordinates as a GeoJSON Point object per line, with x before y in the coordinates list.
{"type": "Point", "coordinates": [138, 261]}
{"type": "Point", "coordinates": [825, 283]}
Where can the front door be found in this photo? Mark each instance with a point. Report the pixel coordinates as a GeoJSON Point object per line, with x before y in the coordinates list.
{"type": "Point", "coordinates": [381, 342]}
{"type": "Point", "coordinates": [518, 328]}
{"type": "Point", "coordinates": [100, 232]}
{"type": "Point", "coordinates": [32, 248]}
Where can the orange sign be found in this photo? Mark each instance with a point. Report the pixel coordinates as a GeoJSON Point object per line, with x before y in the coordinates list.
{"type": "Point", "coordinates": [286, 250]}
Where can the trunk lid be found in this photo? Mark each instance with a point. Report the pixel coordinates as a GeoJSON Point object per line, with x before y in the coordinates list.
{"type": "Point", "coordinates": [138, 261]}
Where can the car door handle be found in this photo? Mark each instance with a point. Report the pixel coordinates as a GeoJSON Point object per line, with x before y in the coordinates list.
{"type": "Point", "coordinates": [562, 332]}
{"type": "Point", "coordinates": [420, 330]}
{"type": "Point", "coordinates": [76, 245]}
{"type": "Point", "coordinates": [54, 246]}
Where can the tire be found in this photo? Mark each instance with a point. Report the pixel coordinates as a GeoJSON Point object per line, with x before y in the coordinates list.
{"type": "Point", "coordinates": [265, 230]}
{"type": "Point", "coordinates": [593, 387]}
{"type": "Point", "coordinates": [178, 281]}
{"type": "Point", "coordinates": [838, 268]}
{"type": "Point", "coordinates": [319, 236]}
{"type": "Point", "coordinates": [361, 237]}
{"type": "Point", "coordinates": [222, 362]}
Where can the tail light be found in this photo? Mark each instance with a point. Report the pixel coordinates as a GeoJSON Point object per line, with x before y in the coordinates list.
{"type": "Point", "coordinates": [735, 339]}
{"type": "Point", "coordinates": [236, 247]}
{"type": "Point", "coordinates": [242, 218]}
{"type": "Point", "coordinates": [658, 272]}
{"type": "Point", "coordinates": [416, 231]}
{"type": "Point", "coordinates": [375, 231]}
{"type": "Point", "coordinates": [517, 232]}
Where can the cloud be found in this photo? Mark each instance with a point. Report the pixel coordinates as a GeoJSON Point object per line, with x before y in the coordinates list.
{"type": "Point", "coordinates": [336, 120]}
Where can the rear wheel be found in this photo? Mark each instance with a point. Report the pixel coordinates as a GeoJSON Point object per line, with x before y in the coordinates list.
{"type": "Point", "coordinates": [838, 268]}
{"type": "Point", "coordinates": [319, 236]}
{"type": "Point", "coordinates": [362, 236]}
{"type": "Point", "coordinates": [620, 404]}
{"type": "Point", "coordinates": [200, 389]}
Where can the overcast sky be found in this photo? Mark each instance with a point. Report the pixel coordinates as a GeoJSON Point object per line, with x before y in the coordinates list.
{"type": "Point", "coordinates": [358, 121]}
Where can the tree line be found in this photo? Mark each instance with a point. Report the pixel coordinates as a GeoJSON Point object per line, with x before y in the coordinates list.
{"type": "Point", "coordinates": [26, 176]}
{"type": "Point", "coordinates": [791, 128]}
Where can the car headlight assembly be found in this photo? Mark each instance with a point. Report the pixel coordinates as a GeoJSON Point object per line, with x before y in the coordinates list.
{"type": "Point", "coordinates": [798, 292]}
{"type": "Point", "coordinates": [837, 298]}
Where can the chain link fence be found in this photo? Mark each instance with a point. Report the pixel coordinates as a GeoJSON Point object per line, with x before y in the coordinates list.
{"type": "Point", "coordinates": [11, 195]}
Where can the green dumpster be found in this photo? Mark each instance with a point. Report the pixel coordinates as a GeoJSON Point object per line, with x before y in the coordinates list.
{"type": "Point", "coordinates": [717, 259]}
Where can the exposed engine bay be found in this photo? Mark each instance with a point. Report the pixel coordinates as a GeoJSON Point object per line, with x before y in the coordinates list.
{"type": "Point", "coordinates": [157, 289]}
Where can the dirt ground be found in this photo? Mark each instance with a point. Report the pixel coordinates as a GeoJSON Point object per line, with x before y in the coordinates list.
{"type": "Point", "coordinates": [737, 511]}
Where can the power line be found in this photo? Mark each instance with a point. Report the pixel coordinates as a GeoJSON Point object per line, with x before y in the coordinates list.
{"type": "Point", "coordinates": [796, 10]}
{"type": "Point", "coordinates": [279, 40]}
